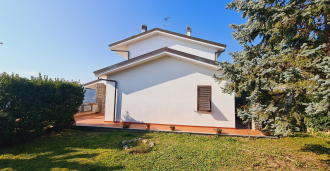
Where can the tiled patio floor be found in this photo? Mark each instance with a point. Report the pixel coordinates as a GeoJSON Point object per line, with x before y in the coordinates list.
{"type": "Point", "coordinates": [98, 120]}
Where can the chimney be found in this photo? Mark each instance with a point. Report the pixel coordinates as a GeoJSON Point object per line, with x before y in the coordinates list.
{"type": "Point", "coordinates": [144, 28]}
{"type": "Point", "coordinates": [188, 31]}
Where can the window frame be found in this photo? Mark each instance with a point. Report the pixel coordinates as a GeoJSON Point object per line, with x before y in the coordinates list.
{"type": "Point", "coordinates": [198, 98]}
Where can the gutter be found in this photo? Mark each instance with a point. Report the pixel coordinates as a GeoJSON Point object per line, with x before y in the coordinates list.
{"type": "Point", "coordinates": [215, 54]}
{"type": "Point", "coordinates": [115, 101]}
{"type": "Point", "coordinates": [123, 51]}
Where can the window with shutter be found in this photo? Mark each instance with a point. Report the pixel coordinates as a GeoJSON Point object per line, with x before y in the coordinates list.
{"type": "Point", "coordinates": [204, 98]}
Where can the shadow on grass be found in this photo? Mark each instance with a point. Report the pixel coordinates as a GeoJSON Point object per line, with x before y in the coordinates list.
{"type": "Point", "coordinates": [69, 150]}
{"type": "Point", "coordinates": [48, 162]}
{"type": "Point", "coordinates": [302, 135]}
{"type": "Point", "coordinates": [319, 150]}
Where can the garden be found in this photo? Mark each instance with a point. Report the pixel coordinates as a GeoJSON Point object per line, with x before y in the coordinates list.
{"type": "Point", "coordinates": [85, 150]}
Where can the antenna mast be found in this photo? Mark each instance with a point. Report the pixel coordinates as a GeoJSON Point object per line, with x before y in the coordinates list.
{"type": "Point", "coordinates": [164, 21]}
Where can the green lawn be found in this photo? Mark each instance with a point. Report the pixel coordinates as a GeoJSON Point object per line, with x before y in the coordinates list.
{"type": "Point", "coordinates": [82, 150]}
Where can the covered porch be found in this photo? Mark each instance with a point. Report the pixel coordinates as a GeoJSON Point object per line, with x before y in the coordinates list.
{"type": "Point", "coordinates": [104, 90]}
{"type": "Point", "coordinates": [97, 92]}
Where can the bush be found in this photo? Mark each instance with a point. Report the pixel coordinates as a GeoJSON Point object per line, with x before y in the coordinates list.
{"type": "Point", "coordinates": [126, 125]}
{"type": "Point", "coordinates": [218, 130]}
{"type": "Point", "coordinates": [29, 106]}
{"type": "Point", "coordinates": [320, 122]}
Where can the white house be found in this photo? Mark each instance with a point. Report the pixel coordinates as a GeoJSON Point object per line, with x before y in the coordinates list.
{"type": "Point", "coordinates": [166, 79]}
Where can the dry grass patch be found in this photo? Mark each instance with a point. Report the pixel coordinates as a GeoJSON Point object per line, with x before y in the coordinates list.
{"type": "Point", "coordinates": [140, 148]}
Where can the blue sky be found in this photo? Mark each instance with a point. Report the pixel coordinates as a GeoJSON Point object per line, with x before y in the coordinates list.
{"type": "Point", "coordinates": [69, 39]}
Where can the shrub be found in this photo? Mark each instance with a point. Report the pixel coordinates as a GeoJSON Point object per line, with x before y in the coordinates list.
{"type": "Point", "coordinates": [29, 106]}
{"type": "Point", "coordinates": [172, 127]}
{"type": "Point", "coordinates": [126, 125]}
{"type": "Point", "coordinates": [320, 122]}
{"type": "Point", "coordinates": [218, 130]}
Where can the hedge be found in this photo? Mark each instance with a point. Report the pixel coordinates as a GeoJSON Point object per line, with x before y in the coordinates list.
{"type": "Point", "coordinates": [29, 106]}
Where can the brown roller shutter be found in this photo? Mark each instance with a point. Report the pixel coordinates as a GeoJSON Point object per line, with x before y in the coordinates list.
{"type": "Point", "coordinates": [204, 98]}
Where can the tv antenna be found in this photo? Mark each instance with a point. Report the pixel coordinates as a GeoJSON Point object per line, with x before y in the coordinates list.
{"type": "Point", "coordinates": [164, 21]}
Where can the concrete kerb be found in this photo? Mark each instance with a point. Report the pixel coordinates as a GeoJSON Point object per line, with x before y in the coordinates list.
{"type": "Point", "coordinates": [107, 129]}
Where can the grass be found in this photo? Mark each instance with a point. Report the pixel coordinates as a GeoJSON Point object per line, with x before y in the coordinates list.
{"type": "Point", "coordinates": [82, 150]}
{"type": "Point", "coordinates": [140, 148]}
{"type": "Point", "coordinates": [322, 134]}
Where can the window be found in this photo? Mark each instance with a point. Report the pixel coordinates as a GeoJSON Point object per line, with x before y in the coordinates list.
{"type": "Point", "coordinates": [204, 98]}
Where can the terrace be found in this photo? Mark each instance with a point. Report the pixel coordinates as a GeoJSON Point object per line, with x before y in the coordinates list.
{"type": "Point", "coordinates": [97, 121]}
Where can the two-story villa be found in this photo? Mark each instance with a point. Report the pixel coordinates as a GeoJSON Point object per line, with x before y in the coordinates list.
{"type": "Point", "coordinates": [166, 79]}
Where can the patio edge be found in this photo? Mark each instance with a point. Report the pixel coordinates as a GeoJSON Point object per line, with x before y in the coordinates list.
{"type": "Point", "coordinates": [107, 129]}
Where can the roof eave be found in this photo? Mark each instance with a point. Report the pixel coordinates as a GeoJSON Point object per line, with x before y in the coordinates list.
{"type": "Point", "coordinates": [162, 31]}
{"type": "Point", "coordinates": [153, 55]}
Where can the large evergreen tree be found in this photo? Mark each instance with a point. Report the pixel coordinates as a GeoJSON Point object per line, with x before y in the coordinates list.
{"type": "Point", "coordinates": [284, 68]}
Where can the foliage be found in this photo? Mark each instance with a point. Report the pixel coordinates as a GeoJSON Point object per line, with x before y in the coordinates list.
{"type": "Point", "coordinates": [83, 150]}
{"type": "Point", "coordinates": [320, 122]}
{"type": "Point", "coordinates": [266, 132]}
{"type": "Point", "coordinates": [147, 125]}
{"type": "Point", "coordinates": [323, 134]}
{"type": "Point", "coordinates": [172, 127]}
{"type": "Point", "coordinates": [218, 130]}
{"type": "Point", "coordinates": [126, 125]}
{"type": "Point", "coordinates": [284, 68]}
{"type": "Point", "coordinates": [29, 106]}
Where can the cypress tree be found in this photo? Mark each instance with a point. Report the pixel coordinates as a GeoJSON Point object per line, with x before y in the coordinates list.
{"type": "Point", "coordinates": [284, 68]}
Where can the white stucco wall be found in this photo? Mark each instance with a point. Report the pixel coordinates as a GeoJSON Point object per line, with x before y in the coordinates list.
{"type": "Point", "coordinates": [109, 100]}
{"type": "Point", "coordinates": [164, 91]}
{"type": "Point", "coordinates": [159, 41]}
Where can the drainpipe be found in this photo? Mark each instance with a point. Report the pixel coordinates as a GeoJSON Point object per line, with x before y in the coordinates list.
{"type": "Point", "coordinates": [115, 102]}
{"type": "Point", "coordinates": [215, 54]}
{"type": "Point", "coordinates": [123, 51]}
